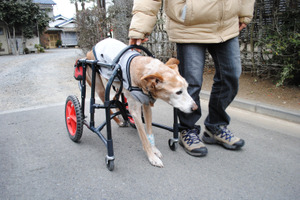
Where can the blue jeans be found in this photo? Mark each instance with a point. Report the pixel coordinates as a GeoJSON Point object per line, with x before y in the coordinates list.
{"type": "Point", "coordinates": [226, 57]}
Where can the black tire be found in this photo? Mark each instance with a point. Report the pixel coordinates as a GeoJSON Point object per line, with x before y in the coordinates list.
{"type": "Point", "coordinates": [73, 118]}
{"type": "Point", "coordinates": [173, 145]}
{"type": "Point", "coordinates": [110, 164]}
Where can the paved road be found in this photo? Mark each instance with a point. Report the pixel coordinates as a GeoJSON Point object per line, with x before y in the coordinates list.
{"type": "Point", "coordinates": [39, 161]}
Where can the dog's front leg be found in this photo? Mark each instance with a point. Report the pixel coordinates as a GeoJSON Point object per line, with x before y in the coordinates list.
{"type": "Point", "coordinates": [135, 111]}
{"type": "Point", "coordinates": [148, 121]}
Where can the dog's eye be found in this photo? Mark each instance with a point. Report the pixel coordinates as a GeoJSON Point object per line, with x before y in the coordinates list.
{"type": "Point", "coordinates": [179, 92]}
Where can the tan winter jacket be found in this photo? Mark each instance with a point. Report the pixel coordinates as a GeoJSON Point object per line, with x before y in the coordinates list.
{"type": "Point", "coordinates": [192, 21]}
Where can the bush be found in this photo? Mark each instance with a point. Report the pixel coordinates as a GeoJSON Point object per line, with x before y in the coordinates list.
{"type": "Point", "coordinates": [39, 48]}
{"type": "Point", "coordinates": [58, 43]}
{"type": "Point", "coordinates": [281, 45]}
{"type": "Point", "coordinates": [26, 50]}
{"type": "Point", "coordinates": [285, 51]}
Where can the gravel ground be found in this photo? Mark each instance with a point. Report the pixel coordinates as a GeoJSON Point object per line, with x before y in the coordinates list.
{"type": "Point", "coordinates": [37, 79]}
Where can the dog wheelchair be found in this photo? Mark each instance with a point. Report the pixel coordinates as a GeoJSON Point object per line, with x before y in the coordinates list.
{"type": "Point", "coordinates": [74, 109]}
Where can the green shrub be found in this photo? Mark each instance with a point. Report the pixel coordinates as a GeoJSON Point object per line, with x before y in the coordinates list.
{"type": "Point", "coordinates": [39, 48]}
{"type": "Point", "coordinates": [283, 44]}
{"type": "Point", "coordinates": [58, 43]}
{"type": "Point", "coordinates": [26, 50]}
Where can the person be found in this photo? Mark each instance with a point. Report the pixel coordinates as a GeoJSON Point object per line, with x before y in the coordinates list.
{"type": "Point", "coordinates": [196, 26]}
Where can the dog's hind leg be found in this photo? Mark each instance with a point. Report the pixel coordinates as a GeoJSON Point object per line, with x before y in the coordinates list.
{"type": "Point", "coordinates": [148, 121]}
{"type": "Point", "coordinates": [100, 90]}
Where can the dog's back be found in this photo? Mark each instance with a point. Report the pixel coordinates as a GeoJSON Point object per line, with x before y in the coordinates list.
{"type": "Point", "coordinates": [106, 50]}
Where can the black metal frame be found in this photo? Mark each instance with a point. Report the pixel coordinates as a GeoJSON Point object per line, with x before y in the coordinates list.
{"type": "Point", "coordinates": [108, 104]}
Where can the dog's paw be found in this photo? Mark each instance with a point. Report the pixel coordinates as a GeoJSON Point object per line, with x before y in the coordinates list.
{"type": "Point", "coordinates": [157, 152]}
{"type": "Point", "coordinates": [121, 122]}
{"type": "Point", "coordinates": [155, 161]}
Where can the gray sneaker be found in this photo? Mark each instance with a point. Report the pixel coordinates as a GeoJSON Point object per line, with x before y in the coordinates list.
{"type": "Point", "coordinates": [191, 142]}
{"type": "Point", "coordinates": [223, 136]}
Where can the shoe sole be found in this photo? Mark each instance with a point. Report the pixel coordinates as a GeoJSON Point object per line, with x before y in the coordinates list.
{"type": "Point", "coordinates": [210, 140]}
{"type": "Point", "coordinates": [193, 153]}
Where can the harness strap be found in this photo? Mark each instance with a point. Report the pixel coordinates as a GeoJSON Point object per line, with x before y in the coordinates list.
{"type": "Point", "coordinates": [130, 88]}
{"type": "Point", "coordinates": [94, 52]}
{"type": "Point", "coordinates": [134, 89]}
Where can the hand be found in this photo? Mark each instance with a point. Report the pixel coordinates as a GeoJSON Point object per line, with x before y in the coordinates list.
{"type": "Point", "coordinates": [242, 26]}
{"type": "Point", "coordinates": [137, 41]}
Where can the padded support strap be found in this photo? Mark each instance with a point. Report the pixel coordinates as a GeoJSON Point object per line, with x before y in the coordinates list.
{"type": "Point", "coordinates": [151, 139]}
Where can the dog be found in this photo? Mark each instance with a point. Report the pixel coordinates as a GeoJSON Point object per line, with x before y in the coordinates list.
{"type": "Point", "coordinates": [149, 76]}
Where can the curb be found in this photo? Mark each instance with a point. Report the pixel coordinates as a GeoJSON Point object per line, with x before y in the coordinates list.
{"type": "Point", "coordinates": [260, 108]}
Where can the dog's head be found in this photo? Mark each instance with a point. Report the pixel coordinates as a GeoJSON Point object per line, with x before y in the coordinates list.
{"type": "Point", "coordinates": [167, 84]}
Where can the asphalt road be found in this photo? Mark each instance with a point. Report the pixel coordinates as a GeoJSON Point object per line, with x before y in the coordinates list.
{"type": "Point", "coordinates": [39, 161]}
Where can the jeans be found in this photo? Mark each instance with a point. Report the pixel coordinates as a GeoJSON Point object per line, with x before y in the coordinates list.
{"type": "Point", "coordinates": [226, 57]}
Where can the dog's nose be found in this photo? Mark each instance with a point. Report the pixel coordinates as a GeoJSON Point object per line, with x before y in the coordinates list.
{"type": "Point", "coordinates": [195, 107]}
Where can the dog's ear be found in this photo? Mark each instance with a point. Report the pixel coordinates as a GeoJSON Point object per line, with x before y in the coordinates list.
{"type": "Point", "coordinates": [172, 61]}
{"type": "Point", "coordinates": [173, 64]}
{"type": "Point", "coordinates": [149, 82]}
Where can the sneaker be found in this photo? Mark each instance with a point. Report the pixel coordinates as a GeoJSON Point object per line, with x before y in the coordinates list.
{"type": "Point", "coordinates": [191, 142]}
{"type": "Point", "coordinates": [222, 136]}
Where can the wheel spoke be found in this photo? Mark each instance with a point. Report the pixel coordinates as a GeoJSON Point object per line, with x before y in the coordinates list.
{"type": "Point", "coordinates": [73, 118]}
{"type": "Point", "coordinates": [70, 108]}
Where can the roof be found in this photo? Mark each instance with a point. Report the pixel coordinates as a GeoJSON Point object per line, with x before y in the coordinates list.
{"type": "Point", "coordinates": [61, 23]}
{"type": "Point", "coordinates": [49, 2]}
{"type": "Point", "coordinates": [53, 29]}
{"type": "Point", "coordinates": [57, 17]}
{"type": "Point", "coordinates": [65, 22]}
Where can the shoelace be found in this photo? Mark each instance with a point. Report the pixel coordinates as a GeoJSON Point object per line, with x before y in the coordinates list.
{"type": "Point", "coordinates": [226, 133]}
{"type": "Point", "coordinates": [191, 137]}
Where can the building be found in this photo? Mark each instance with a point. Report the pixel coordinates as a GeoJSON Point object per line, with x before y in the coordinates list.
{"type": "Point", "coordinates": [60, 29]}
{"type": "Point", "coordinates": [3, 40]}
{"type": "Point", "coordinates": [46, 6]}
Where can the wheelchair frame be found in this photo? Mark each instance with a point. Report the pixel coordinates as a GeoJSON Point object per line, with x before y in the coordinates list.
{"type": "Point", "coordinates": [74, 110]}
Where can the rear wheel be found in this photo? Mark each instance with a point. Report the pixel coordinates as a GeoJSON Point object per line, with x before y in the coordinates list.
{"type": "Point", "coordinates": [73, 118]}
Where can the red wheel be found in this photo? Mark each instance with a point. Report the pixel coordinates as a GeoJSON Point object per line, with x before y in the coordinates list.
{"type": "Point", "coordinates": [73, 117]}
{"type": "Point", "coordinates": [130, 119]}
{"type": "Point", "coordinates": [131, 122]}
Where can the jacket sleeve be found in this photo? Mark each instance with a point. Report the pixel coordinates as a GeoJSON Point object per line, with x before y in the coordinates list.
{"type": "Point", "coordinates": [144, 18]}
{"type": "Point", "coordinates": [246, 11]}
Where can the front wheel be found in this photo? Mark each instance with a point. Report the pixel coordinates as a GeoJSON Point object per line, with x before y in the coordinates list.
{"type": "Point", "coordinates": [173, 144]}
{"type": "Point", "coordinates": [73, 118]}
{"type": "Point", "coordinates": [109, 164]}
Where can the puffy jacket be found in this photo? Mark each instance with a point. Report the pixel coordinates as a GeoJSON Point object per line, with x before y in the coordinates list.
{"type": "Point", "coordinates": [192, 21]}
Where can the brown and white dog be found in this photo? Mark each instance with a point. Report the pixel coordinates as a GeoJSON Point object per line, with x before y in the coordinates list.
{"type": "Point", "coordinates": [161, 81]}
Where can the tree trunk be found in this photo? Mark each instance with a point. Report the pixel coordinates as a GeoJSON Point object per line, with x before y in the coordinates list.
{"type": "Point", "coordinates": [14, 43]}
{"type": "Point", "coordinates": [101, 4]}
{"type": "Point", "coordinates": [76, 7]}
{"type": "Point", "coordinates": [82, 5]}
